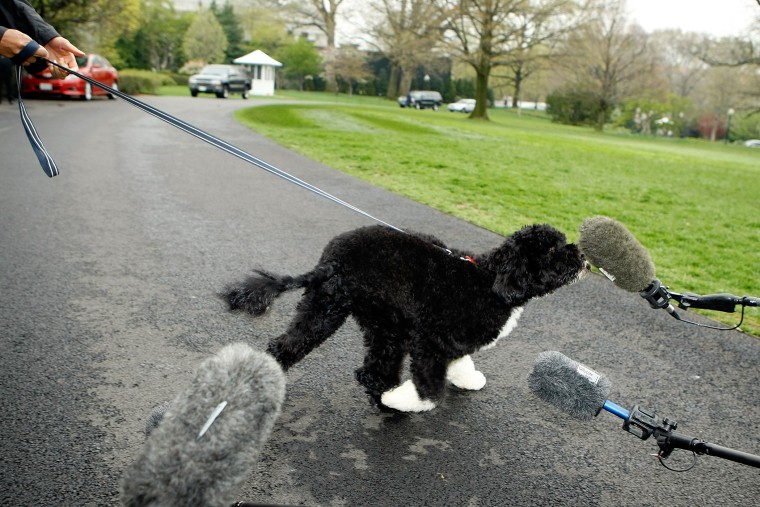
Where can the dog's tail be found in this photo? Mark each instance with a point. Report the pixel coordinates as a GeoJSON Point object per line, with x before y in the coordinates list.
{"type": "Point", "coordinates": [256, 293]}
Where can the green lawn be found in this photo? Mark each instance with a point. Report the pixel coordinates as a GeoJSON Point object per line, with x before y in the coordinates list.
{"type": "Point", "coordinates": [694, 205]}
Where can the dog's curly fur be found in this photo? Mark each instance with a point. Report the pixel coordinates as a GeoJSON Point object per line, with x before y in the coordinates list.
{"type": "Point", "coordinates": [411, 296]}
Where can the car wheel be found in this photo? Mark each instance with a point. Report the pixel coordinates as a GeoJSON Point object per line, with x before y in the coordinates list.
{"type": "Point", "coordinates": [194, 93]}
{"type": "Point", "coordinates": [245, 93]}
{"type": "Point", "coordinates": [435, 107]}
{"type": "Point", "coordinates": [115, 86]}
{"type": "Point", "coordinates": [87, 92]}
{"type": "Point", "coordinates": [224, 93]}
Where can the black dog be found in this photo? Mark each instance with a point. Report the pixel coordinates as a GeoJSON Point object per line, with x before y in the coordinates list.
{"type": "Point", "coordinates": [411, 295]}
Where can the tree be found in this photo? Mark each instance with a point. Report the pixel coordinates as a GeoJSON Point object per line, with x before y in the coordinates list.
{"type": "Point", "coordinates": [350, 68]}
{"type": "Point", "coordinates": [94, 25]}
{"type": "Point", "coordinates": [408, 32]}
{"type": "Point", "coordinates": [538, 29]}
{"type": "Point", "coordinates": [721, 90]}
{"type": "Point", "coordinates": [76, 17]}
{"type": "Point", "coordinates": [680, 65]}
{"type": "Point", "coordinates": [322, 14]}
{"type": "Point", "coordinates": [205, 40]}
{"type": "Point", "coordinates": [608, 58]}
{"type": "Point", "coordinates": [478, 33]}
{"type": "Point", "coordinates": [738, 57]}
{"type": "Point", "coordinates": [487, 34]}
{"type": "Point", "coordinates": [233, 30]}
{"type": "Point", "coordinates": [264, 22]}
{"type": "Point", "coordinates": [300, 59]}
{"type": "Point", "coordinates": [157, 43]}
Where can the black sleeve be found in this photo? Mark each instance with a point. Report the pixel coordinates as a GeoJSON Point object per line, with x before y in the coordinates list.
{"type": "Point", "coordinates": [20, 15]}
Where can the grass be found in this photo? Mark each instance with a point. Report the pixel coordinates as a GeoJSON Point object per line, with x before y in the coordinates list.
{"type": "Point", "coordinates": [694, 205]}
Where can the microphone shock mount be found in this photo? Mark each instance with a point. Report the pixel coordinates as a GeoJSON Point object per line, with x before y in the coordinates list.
{"type": "Point", "coordinates": [644, 423]}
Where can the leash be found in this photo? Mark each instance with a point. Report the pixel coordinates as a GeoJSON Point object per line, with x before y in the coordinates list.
{"type": "Point", "coordinates": [51, 169]}
{"type": "Point", "coordinates": [46, 161]}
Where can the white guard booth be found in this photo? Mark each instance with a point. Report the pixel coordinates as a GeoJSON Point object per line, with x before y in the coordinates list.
{"type": "Point", "coordinates": [260, 67]}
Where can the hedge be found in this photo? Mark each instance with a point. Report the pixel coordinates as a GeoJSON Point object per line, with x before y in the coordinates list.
{"type": "Point", "coordinates": [134, 81]}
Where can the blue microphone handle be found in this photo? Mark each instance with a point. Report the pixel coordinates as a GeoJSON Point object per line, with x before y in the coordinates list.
{"type": "Point", "coordinates": [615, 409]}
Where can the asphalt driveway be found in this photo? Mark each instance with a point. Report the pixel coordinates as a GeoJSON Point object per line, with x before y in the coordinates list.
{"type": "Point", "coordinates": [107, 304]}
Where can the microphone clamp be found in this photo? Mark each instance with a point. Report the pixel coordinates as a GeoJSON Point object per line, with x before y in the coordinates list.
{"type": "Point", "coordinates": [644, 423]}
{"type": "Point", "coordinates": [658, 296]}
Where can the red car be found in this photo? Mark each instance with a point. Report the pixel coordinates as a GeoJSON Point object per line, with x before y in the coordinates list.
{"type": "Point", "coordinates": [94, 66]}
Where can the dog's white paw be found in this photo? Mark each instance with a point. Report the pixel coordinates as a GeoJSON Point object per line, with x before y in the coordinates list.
{"type": "Point", "coordinates": [462, 373]}
{"type": "Point", "coordinates": [406, 399]}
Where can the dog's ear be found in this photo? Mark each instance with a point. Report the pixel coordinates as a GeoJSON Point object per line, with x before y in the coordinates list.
{"type": "Point", "coordinates": [509, 292]}
{"type": "Point", "coordinates": [511, 282]}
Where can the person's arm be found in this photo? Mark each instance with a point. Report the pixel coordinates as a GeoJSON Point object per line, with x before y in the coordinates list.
{"type": "Point", "coordinates": [13, 41]}
{"type": "Point", "coordinates": [19, 14]}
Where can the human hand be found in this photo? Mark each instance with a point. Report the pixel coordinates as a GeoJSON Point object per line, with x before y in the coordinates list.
{"type": "Point", "coordinates": [14, 41]}
{"type": "Point", "coordinates": [62, 52]}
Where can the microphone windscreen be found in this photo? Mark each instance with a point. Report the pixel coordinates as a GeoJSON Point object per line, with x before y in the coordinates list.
{"type": "Point", "coordinates": [609, 246]}
{"type": "Point", "coordinates": [569, 385]}
{"type": "Point", "coordinates": [177, 467]}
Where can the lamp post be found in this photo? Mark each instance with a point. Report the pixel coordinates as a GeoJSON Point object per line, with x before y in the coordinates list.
{"type": "Point", "coordinates": [730, 113]}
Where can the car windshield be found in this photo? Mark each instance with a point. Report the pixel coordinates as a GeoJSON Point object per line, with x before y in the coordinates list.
{"type": "Point", "coordinates": [214, 70]}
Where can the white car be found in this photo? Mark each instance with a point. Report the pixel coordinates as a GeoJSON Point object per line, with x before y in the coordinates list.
{"type": "Point", "coordinates": [752, 143]}
{"type": "Point", "coordinates": [462, 106]}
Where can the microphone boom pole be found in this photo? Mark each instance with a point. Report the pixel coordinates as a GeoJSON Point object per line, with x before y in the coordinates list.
{"type": "Point", "coordinates": [699, 447]}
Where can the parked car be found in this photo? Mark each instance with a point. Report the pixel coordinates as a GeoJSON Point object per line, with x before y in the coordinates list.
{"type": "Point", "coordinates": [94, 66]}
{"type": "Point", "coordinates": [220, 80]}
{"type": "Point", "coordinates": [752, 143]}
{"type": "Point", "coordinates": [421, 99]}
{"type": "Point", "coordinates": [462, 106]}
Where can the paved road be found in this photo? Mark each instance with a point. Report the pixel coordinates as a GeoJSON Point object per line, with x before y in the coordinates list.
{"type": "Point", "coordinates": [107, 304]}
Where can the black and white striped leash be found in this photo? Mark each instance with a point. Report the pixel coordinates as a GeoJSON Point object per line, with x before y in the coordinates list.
{"type": "Point", "coordinates": [46, 161]}
{"type": "Point", "coordinates": [51, 169]}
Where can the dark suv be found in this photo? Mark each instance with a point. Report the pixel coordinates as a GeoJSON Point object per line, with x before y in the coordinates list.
{"type": "Point", "coordinates": [221, 80]}
{"type": "Point", "coordinates": [421, 99]}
